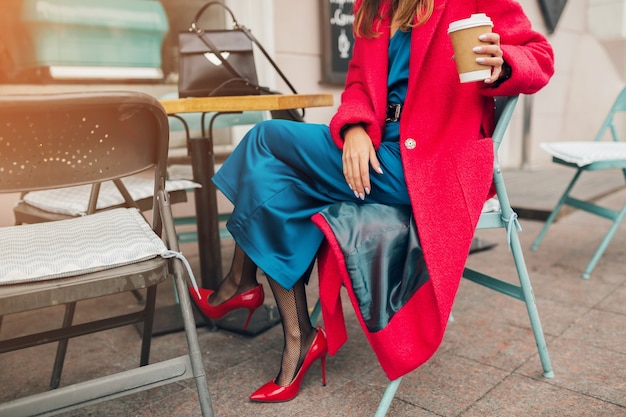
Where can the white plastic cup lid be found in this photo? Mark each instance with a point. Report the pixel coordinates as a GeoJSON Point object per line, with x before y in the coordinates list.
{"type": "Point", "coordinates": [478, 19]}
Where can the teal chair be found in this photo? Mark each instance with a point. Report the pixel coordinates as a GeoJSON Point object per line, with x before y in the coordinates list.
{"type": "Point", "coordinates": [503, 217]}
{"type": "Point", "coordinates": [589, 156]}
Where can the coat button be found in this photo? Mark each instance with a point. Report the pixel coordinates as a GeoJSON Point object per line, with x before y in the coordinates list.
{"type": "Point", "coordinates": [410, 143]}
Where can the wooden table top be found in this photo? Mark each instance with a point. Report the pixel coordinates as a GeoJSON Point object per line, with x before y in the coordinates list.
{"type": "Point", "coordinates": [246, 103]}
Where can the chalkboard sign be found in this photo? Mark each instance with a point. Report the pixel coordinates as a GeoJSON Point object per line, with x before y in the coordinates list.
{"type": "Point", "coordinates": [337, 39]}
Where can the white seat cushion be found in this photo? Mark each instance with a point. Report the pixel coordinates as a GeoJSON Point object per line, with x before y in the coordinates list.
{"type": "Point", "coordinates": [491, 206]}
{"type": "Point", "coordinates": [584, 153]}
{"type": "Point", "coordinates": [64, 248]}
{"type": "Point", "coordinates": [73, 201]}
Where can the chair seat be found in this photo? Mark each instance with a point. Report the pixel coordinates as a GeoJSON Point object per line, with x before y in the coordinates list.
{"type": "Point", "coordinates": [583, 153]}
{"type": "Point", "coordinates": [73, 201]}
{"type": "Point", "coordinates": [491, 206]}
{"type": "Point", "coordinates": [26, 214]}
{"type": "Point", "coordinates": [40, 294]}
{"type": "Point", "coordinates": [81, 245]}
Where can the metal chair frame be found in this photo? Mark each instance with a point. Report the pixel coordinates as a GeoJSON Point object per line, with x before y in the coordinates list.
{"type": "Point", "coordinates": [129, 135]}
{"type": "Point", "coordinates": [616, 216]}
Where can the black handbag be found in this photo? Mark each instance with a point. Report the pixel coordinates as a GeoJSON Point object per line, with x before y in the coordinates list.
{"type": "Point", "coordinates": [221, 63]}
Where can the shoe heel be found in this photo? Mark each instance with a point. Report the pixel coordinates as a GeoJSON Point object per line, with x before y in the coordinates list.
{"type": "Point", "coordinates": [324, 370]}
{"type": "Point", "coordinates": [250, 313]}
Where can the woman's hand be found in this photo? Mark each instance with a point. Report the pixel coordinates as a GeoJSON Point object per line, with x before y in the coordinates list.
{"type": "Point", "coordinates": [495, 59]}
{"type": "Point", "coordinates": [358, 155]}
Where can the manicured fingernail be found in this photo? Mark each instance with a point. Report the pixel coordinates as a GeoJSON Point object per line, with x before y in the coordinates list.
{"type": "Point", "coordinates": [488, 81]}
{"type": "Point", "coordinates": [367, 191]}
{"type": "Point", "coordinates": [356, 195]}
{"type": "Point", "coordinates": [480, 59]}
{"type": "Point", "coordinates": [350, 185]}
{"type": "Point", "coordinates": [482, 37]}
{"type": "Point", "coordinates": [362, 196]}
{"type": "Point", "coordinates": [379, 170]}
{"type": "Point", "coordinates": [477, 48]}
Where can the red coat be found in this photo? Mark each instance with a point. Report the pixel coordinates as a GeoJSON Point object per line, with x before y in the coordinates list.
{"type": "Point", "coordinates": [449, 171]}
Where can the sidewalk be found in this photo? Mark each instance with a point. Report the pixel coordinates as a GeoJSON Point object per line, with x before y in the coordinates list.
{"type": "Point", "coordinates": [487, 365]}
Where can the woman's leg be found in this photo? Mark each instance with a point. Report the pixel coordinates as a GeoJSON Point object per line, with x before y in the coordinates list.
{"type": "Point", "coordinates": [238, 290]}
{"type": "Point", "coordinates": [240, 278]}
{"type": "Point", "coordinates": [303, 344]}
{"type": "Point", "coordinates": [297, 328]}
{"type": "Point", "coordinates": [273, 199]}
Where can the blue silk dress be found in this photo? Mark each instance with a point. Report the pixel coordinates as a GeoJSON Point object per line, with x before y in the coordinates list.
{"type": "Point", "coordinates": [283, 172]}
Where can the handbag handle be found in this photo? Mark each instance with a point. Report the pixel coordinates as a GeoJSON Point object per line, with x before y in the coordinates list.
{"type": "Point", "coordinates": [248, 33]}
{"type": "Point", "coordinates": [194, 24]}
{"type": "Point", "coordinates": [269, 58]}
{"type": "Point", "coordinates": [194, 28]}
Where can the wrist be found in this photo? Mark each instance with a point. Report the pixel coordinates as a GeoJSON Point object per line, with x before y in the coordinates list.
{"type": "Point", "coordinates": [349, 126]}
{"type": "Point", "coordinates": [505, 74]}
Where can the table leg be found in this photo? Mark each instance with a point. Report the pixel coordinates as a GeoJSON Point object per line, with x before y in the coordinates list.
{"type": "Point", "coordinates": [209, 247]}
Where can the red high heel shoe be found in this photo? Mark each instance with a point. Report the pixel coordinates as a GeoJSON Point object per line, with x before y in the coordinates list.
{"type": "Point", "coordinates": [251, 300]}
{"type": "Point", "coordinates": [272, 392]}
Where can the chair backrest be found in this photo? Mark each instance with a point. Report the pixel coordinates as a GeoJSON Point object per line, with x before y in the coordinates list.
{"type": "Point", "coordinates": [609, 121]}
{"type": "Point", "coordinates": [67, 139]}
{"type": "Point", "coordinates": [505, 106]}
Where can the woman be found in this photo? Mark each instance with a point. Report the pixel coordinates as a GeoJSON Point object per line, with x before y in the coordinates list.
{"type": "Point", "coordinates": [406, 132]}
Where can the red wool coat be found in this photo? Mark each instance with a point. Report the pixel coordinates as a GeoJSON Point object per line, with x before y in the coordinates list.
{"type": "Point", "coordinates": [448, 171]}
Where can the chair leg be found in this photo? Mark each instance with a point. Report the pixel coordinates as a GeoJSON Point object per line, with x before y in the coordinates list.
{"type": "Point", "coordinates": [59, 360]}
{"type": "Point", "coordinates": [195, 354]}
{"type": "Point", "coordinates": [605, 243]}
{"type": "Point", "coordinates": [178, 274]}
{"type": "Point", "coordinates": [556, 210]}
{"type": "Point", "coordinates": [148, 323]}
{"type": "Point", "coordinates": [315, 313]}
{"type": "Point", "coordinates": [529, 300]}
{"type": "Point", "coordinates": [385, 402]}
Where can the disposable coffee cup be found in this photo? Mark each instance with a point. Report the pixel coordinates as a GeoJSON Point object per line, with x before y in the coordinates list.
{"type": "Point", "coordinates": [464, 35]}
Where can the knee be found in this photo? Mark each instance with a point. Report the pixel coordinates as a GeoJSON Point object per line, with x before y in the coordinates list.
{"type": "Point", "coordinates": [271, 127]}
{"type": "Point", "coordinates": [268, 133]}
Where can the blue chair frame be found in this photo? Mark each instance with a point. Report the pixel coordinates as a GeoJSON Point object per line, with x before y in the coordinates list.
{"type": "Point", "coordinates": [616, 216]}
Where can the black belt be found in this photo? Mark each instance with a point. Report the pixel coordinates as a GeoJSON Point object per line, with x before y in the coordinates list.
{"type": "Point", "coordinates": [393, 112]}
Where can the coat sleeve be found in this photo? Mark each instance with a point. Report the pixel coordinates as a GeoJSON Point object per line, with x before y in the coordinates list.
{"type": "Point", "coordinates": [527, 52]}
{"type": "Point", "coordinates": [356, 104]}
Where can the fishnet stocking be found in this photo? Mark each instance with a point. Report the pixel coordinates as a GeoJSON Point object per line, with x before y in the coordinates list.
{"type": "Point", "coordinates": [240, 278]}
{"type": "Point", "coordinates": [297, 329]}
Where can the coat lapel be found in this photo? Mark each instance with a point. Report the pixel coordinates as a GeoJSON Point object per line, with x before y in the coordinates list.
{"type": "Point", "coordinates": [420, 43]}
